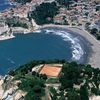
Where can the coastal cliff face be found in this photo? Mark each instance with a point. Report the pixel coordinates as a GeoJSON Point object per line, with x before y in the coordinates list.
{"type": "Point", "coordinates": [9, 89]}
{"type": "Point", "coordinates": [3, 28]}
{"type": "Point", "coordinates": [16, 25]}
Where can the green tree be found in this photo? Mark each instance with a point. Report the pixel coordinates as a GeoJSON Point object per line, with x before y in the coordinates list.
{"type": "Point", "coordinates": [31, 95]}
{"type": "Point", "coordinates": [71, 74]}
{"type": "Point", "coordinates": [73, 95]}
{"type": "Point", "coordinates": [64, 2]}
{"type": "Point", "coordinates": [84, 93]}
{"type": "Point", "coordinates": [45, 12]}
{"type": "Point", "coordinates": [87, 26]}
{"type": "Point", "coordinates": [22, 1]}
{"type": "Point", "coordinates": [94, 31]}
{"type": "Point", "coordinates": [98, 36]}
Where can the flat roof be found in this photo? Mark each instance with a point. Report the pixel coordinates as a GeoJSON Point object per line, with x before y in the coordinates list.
{"type": "Point", "coordinates": [50, 70]}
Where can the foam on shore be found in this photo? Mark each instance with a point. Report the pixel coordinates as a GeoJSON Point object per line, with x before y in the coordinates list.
{"type": "Point", "coordinates": [77, 50]}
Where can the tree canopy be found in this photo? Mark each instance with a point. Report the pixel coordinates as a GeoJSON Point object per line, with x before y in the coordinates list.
{"type": "Point", "coordinates": [22, 1]}
{"type": "Point", "coordinates": [45, 12]}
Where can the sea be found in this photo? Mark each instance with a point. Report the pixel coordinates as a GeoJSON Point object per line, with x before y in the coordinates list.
{"type": "Point", "coordinates": [5, 4]}
{"type": "Point", "coordinates": [44, 44]}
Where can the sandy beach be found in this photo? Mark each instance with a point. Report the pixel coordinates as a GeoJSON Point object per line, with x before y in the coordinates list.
{"type": "Point", "coordinates": [94, 58]}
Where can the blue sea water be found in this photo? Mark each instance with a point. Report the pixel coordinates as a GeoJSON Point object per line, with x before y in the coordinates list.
{"type": "Point", "coordinates": [42, 45]}
{"type": "Point", "coordinates": [4, 4]}
{"type": "Point", "coordinates": [49, 43]}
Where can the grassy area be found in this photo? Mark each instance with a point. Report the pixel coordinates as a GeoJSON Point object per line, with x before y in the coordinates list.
{"type": "Point", "coordinates": [52, 80]}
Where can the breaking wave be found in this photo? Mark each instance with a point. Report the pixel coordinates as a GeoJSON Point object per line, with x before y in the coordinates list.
{"type": "Point", "coordinates": [77, 50]}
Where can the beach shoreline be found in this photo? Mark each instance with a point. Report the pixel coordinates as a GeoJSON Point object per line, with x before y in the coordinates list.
{"type": "Point", "coordinates": [6, 37]}
{"type": "Point", "coordinates": [93, 57]}
{"type": "Point", "coordinates": [94, 50]}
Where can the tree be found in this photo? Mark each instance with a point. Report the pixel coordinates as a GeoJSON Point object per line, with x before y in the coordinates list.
{"type": "Point", "coordinates": [12, 72]}
{"type": "Point", "coordinates": [32, 96]}
{"type": "Point", "coordinates": [96, 91]}
{"type": "Point", "coordinates": [37, 89]}
{"type": "Point", "coordinates": [88, 71]}
{"type": "Point", "coordinates": [71, 74]}
{"type": "Point", "coordinates": [98, 36]}
{"type": "Point", "coordinates": [76, 0]}
{"type": "Point", "coordinates": [44, 13]}
{"type": "Point", "coordinates": [54, 92]}
{"type": "Point", "coordinates": [84, 93]}
{"type": "Point", "coordinates": [64, 2]}
{"type": "Point", "coordinates": [22, 1]}
{"type": "Point", "coordinates": [98, 8]}
{"type": "Point", "coordinates": [44, 76]}
{"type": "Point", "coordinates": [87, 25]}
{"type": "Point", "coordinates": [34, 73]}
{"type": "Point", "coordinates": [73, 95]}
{"type": "Point", "coordinates": [94, 31]}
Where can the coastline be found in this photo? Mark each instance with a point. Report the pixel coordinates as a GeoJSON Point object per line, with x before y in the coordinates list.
{"type": "Point", "coordinates": [6, 37]}
{"type": "Point", "coordinates": [94, 54]}
{"type": "Point", "coordinates": [94, 50]}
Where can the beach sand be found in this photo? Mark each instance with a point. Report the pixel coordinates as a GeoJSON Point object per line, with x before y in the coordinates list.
{"type": "Point", "coordinates": [94, 57]}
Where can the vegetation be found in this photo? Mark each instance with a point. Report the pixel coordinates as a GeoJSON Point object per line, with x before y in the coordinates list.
{"type": "Point", "coordinates": [77, 81]}
{"type": "Point", "coordinates": [96, 33]}
{"type": "Point", "coordinates": [34, 86]}
{"type": "Point", "coordinates": [93, 31]}
{"type": "Point", "coordinates": [98, 8]}
{"type": "Point", "coordinates": [44, 13]}
{"type": "Point", "coordinates": [22, 1]}
{"type": "Point", "coordinates": [52, 80]}
{"type": "Point", "coordinates": [84, 93]}
{"type": "Point", "coordinates": [16, 22]}
{"type": "Point", "coordinates": [26, 68]}
{"type": "Point", "coordinates": [87, 26]}
{"type": "Point", "coordinates": [65, 3]}
{"type": "Point", "coordinates": [73, 95]}
{"type": "Point", "coordinates": [98, 36]}
{"type": "Point", "coordinates": [31, 82]}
